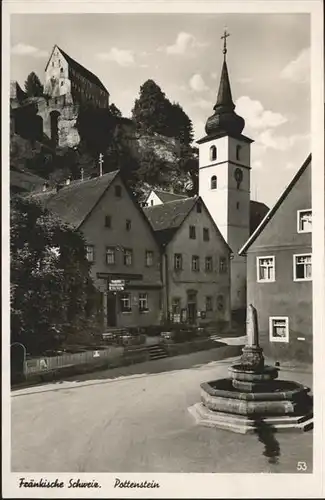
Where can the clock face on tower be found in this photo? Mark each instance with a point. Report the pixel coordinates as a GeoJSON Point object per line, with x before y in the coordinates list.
{"type": "Point", "coordinates": [238, 174]}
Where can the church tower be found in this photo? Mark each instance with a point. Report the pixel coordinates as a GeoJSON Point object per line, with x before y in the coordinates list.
{"type": "Point", "coordinates": [224, 179]}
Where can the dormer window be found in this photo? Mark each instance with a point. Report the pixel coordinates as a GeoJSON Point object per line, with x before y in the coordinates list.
{"type": "Point", "coordinates": [214, 182]}
{"type": "Point", "coordinates": [238, 149]}
{"type": "Point", "coordinates": [213, 153]}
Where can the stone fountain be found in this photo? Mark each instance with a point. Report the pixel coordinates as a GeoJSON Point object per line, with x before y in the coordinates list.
{"type": "Point", "coordinates": [252, 394]}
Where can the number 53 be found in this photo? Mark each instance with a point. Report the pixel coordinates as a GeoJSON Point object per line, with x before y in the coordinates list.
{"type": "Point", "coordinates": [301, 466]}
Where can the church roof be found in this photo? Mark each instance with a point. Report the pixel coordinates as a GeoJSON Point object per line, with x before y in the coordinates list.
{"type": "Point", "coordinates": [257, 212]}
{"type": "Point", "coordinates": [224, 120]}
{"type": "Point", "coordinates": [81, 70]}
{"type": "Point", "coordinates": [166, 196]}
{"type": "Point", "coordinates": [273, 210]}
{"type": "Point", "coordinates": [73, 203]}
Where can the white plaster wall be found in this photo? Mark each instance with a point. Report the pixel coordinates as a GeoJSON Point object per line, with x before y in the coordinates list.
{"type": "Point", "coordinates": [56, 81]}
{"type": "Point", "coordinates": [153, 198]}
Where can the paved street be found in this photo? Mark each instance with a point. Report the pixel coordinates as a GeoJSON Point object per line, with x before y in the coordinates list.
{"type": "Point", "coordinates": [135, 419]}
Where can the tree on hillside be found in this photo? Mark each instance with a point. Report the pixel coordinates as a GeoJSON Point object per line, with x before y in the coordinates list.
{"type": "Point", "coordinates": [53, 299]}
{"type": "Point", "coordinates": [180, 125]}
{"type": "Point", "coordinates": [33, 86]}
{"type": "Point", "coordinates": [151, 111]}
{"type": "Point", "coordinates": [96, 128]}
{"type": "Point", "coordinates": [115, 111]}
{"type": "Point", "coordinates": [153, 170]}
{"type": "Point", "coordinates": [188, 163]}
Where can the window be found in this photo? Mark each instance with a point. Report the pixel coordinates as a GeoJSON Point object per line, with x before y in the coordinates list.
{"type": "Point", "coordinates": [279, 329]}
{"type": "Point", "coordinates": [304, 222]}
{"type": "Point", "coordinates": [176, 305]}
{"type": "Point", "coordinates": [213, 153]}
{"type": "Point", "coordinates": [238, 149]}
{"type": "Point", "coordinates": [214, 182]}
{"type": "Point", "coordinates": [208, 304]}
{"type": "Point", "coordinates": [206, 234]}
{"type": "Point", "coordinates": [127, 257]}
{"type": "Point", "coordinates": [110, 255]}
{"type": "Point", "coordinates": [223, 265]}
{"type": "Point", "coordinates": [128, 224]}
{"type": "Point", "coordinates": [265, 269]}
{"type": "Point", "coordinates": [90, 253]}
{"type": "Point", "coordinates": [192, 232]}
{"type": "Point", "coordinates": [143, 302]}
{"type": "Point", "coordinates": [302, 267]}
{"type": "Point", "coordinates": [61, 69]}
{"type": "Point", "coordinates": [208, 264]}
{"type": "Point", "coordinates": [149, 258]}
{"type": "Point", "coordinates": [61, 84]}
{"type": "Point", "coordinates": [108, 221]}
{"type": "Point", "coordinates": [195, 263]}
{"type": "Point", "coordinates": [237, 205]}
{"type": "Point", "coordinates": [118, 191]}
{"type": "Point", "coordinates": [199, 207]}
{"type": "Point", "coordinates": [125, 302]}
{"type": "Point", "coordinates": [178, 261]}
{"type": "Point", "coordinates": [220, 303]}
{"type": "Point", "coordinates": [151, 203]}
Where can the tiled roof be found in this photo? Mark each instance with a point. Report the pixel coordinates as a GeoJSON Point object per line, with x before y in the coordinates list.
{"type": "Point", "coordinates": [73, 203]}
{"type": "Point", "coordinates": [273, 210]}
{"type": "Point", "coordinates": [165, 219]}
{"type": "Point", "coordinates": [258, 211]}
{"type": "Point", "coordinates": [83, 71]}
{"type": "Point", "coordinates": [166, 196]}
{"type": "Point", "coordinates": [25, 181]}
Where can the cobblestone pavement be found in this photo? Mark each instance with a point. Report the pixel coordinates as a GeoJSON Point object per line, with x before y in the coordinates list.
{"type": "Point", "coordinates": [136, 419]}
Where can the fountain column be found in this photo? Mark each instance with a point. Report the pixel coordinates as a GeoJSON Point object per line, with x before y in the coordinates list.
{"type": "Point", "coordinates": [252, 357]}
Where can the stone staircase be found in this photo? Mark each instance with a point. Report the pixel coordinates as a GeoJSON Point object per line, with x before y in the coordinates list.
{"type": "Point", "coordinates": [157, 351]}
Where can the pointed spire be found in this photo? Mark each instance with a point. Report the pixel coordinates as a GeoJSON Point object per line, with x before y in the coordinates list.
{"type": "Point", "coordinates": [224, 98]}
{"type": "Point", "coordinates": [224, 120]}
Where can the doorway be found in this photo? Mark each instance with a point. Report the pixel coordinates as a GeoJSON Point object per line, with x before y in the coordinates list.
{"type": "Point", "coordinates": [111, 309]}
{"type": "Point", "coordinates": [191, 307]}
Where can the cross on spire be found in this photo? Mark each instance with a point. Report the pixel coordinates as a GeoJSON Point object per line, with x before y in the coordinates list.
{"type": "Point", "coordinates": [224, 38]}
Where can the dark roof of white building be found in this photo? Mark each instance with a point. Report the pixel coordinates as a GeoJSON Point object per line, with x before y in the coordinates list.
{"type": "Point", "coordinates": [273, 210]}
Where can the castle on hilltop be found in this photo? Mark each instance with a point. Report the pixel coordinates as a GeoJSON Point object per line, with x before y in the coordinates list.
{"type": "Point", "coordinates": [68, 85]}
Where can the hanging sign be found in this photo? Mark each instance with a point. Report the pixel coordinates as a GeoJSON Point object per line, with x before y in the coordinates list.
{"type": "Point", "coordinates": [116, 285]}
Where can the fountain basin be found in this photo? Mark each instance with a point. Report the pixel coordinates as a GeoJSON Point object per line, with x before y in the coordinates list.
{"type": "Point", "coordinates": [238, 372]}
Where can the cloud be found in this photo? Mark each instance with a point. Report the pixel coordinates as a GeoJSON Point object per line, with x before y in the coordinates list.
{"type": "Point", "coordinates": [22, 49]}
{"type": "Point", "coordinates": [121, 57]}
{"type": "Point", "coordinates": [203, 104]}
{"type": "Point", "coordinates": [184, 42]}
{"type": "Point", "coordinates": [197, 83]}
{"type": "Point", "coordinates": [256, 117]}
{"type": "Point", "coordinates": [268, 139]}
{"type": "Point", "coordinates": [257, 164]}
{"type": "Point", "coordinates": [298, 70]}
{"type": "Point", "coordinates": [245, 79]}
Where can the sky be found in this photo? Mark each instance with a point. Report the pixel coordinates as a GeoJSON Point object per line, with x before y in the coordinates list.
{"type": "Point", "coordinates": [268, 62]}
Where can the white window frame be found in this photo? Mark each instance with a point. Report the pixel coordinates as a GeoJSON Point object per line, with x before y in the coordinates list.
{"type": "Point", "coordinates": [295, 269]}
{"type": "Point", "coordinates": [195, 263]}
{"type": "Point", "coordinates": [178, 261]}
{"type": "Point", "coordinates": [128, 257]}
{"type": "Point", "coordinates": [271, 326]}
{"type": "Point", "coordinates": [126, 300]}
{"type": "Point", "coordinates": [110, 251]}
{"type": "Point", "coordinates": [90, 249]}
{"type": "Point", "coordinates": [258, 259]}
{"type": "Point", "coordinates": [299, 213]}
{"type": "Point", "coordinates": [143, 299]}
{"type": "Point", "coordinates": [149, 258]}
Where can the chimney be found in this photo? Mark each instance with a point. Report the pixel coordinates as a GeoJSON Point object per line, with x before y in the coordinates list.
{"type": "Point", "coordinates": [45, 186]}
{"type": "Point", "coordinates": [82, 173]}
{"type": "Point", "coordinates": [67, 181]}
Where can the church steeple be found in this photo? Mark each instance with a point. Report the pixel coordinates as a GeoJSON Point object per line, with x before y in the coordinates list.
{"type": "Point", "coordinates": [224, 120]}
